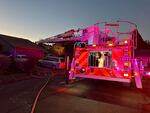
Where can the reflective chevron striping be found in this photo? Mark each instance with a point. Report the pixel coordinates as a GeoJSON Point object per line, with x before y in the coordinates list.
{"type": "Point", "coordinates": [83, 57]}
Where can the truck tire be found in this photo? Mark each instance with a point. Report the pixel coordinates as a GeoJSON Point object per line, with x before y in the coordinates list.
{"type": "Point", "coordinates": [67, 77]}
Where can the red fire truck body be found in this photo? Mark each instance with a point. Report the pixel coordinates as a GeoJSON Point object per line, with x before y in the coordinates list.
{"type": "Point", "coordinates": [107, 57]}
{"type": "Point", "coordinates": [110, 64]}
{"type": "Point", "coordinates": [105, 51]}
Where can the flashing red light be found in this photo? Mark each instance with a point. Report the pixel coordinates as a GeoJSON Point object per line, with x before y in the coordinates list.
{"type": "Point", "coordinates": [125, 74]}
{"type": "Point", "coordinates": [94, 45]}
{"type": "Point", "coordinates": [126, 41]}
{"type": "Point", "coordinates": [62, 65]}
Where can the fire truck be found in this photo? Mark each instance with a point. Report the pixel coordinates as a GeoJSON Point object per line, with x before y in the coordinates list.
{"type": "Point", "coordinates": [106, 53]}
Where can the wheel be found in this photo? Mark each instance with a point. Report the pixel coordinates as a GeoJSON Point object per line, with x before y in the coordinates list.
{"type": "Point", "coordinates": [67, 78]}
{"type": "Point", "coordinates": [69, 81]}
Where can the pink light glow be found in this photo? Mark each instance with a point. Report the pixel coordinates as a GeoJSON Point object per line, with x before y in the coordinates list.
{"type": "Point", "coordinates": [148, 73]}
{"type": "Point", "coordinates": [69, 72]}
{"type": "Point", "coordinates": [107, 30]}
{"type": "Point", "coordinates": [94, 45]}
{"type": "Point", "coordinates": [135, 73]}
{"type": "Point", "coordinates": [117, 68]}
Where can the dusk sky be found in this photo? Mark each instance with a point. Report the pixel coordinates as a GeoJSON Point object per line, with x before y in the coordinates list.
{"type": "Point", "coordinates": [38, 19]}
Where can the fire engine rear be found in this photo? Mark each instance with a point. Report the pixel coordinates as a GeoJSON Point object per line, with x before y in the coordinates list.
{"type": "Point", "coordinates": [106, 53]}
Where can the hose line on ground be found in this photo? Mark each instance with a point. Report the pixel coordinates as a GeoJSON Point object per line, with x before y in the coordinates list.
{"type": "Point", "coordinates": [39, 92]}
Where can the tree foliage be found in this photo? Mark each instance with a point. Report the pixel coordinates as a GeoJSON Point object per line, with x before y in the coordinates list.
{"type": "Point", "coordinates": [58, 49]}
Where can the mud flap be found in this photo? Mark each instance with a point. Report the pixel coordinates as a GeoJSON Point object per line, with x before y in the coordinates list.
{"type": "Point", "coordinates": [67, 77]}
{"type": "Point", "coordinates": [137, 77]}
{"type": "Point", "coordinates": [138, 81]}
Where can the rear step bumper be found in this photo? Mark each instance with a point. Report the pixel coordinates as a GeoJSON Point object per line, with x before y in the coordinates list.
{"type": "Point", "coordinates": [126, 80]}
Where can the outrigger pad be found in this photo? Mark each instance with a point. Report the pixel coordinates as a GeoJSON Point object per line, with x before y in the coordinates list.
{"type": "Point", "coordinates": [138, 81]}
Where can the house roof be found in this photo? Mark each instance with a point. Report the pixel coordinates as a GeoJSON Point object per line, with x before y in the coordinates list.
{"type": "Point", "coordinates": [18, 42]}
{"type": "Point", "coordinates": [142, 52]}
{"type": "Point", "coordinates": [143, 48]}
{"type": "Point", "coordinates": [141, 44]}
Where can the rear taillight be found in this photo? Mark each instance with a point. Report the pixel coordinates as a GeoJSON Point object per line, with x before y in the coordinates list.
{"type": "Point", "coordinates": [62, 65]}
{"type": "Point", "coordinates": [125, 74]}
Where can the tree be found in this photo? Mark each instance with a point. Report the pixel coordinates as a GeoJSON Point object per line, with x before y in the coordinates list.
{"type": "Point", "coordinates": [59, 49]}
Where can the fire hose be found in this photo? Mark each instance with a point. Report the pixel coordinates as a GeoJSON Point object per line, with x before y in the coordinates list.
{"type": "Point", "coordinates": [40, 91]}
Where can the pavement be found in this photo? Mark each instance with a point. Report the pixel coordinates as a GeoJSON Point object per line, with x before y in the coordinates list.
{"type": "Point", "coordinates": [13, 77]}
{"type": "Point", "coordinates": [62, 103]}
{"type": "Point", "coordinates": [89, 96]}
{"type": "Point", "coordinates": [18, 97]}
{"type": "Point", "coordinates": [75, 100]}
{"type": "Point", "coordinates": [83, 96]}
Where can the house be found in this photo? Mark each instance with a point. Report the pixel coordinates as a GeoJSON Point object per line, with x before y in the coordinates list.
{"type": "Point", "coordinates": [10, 45]}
